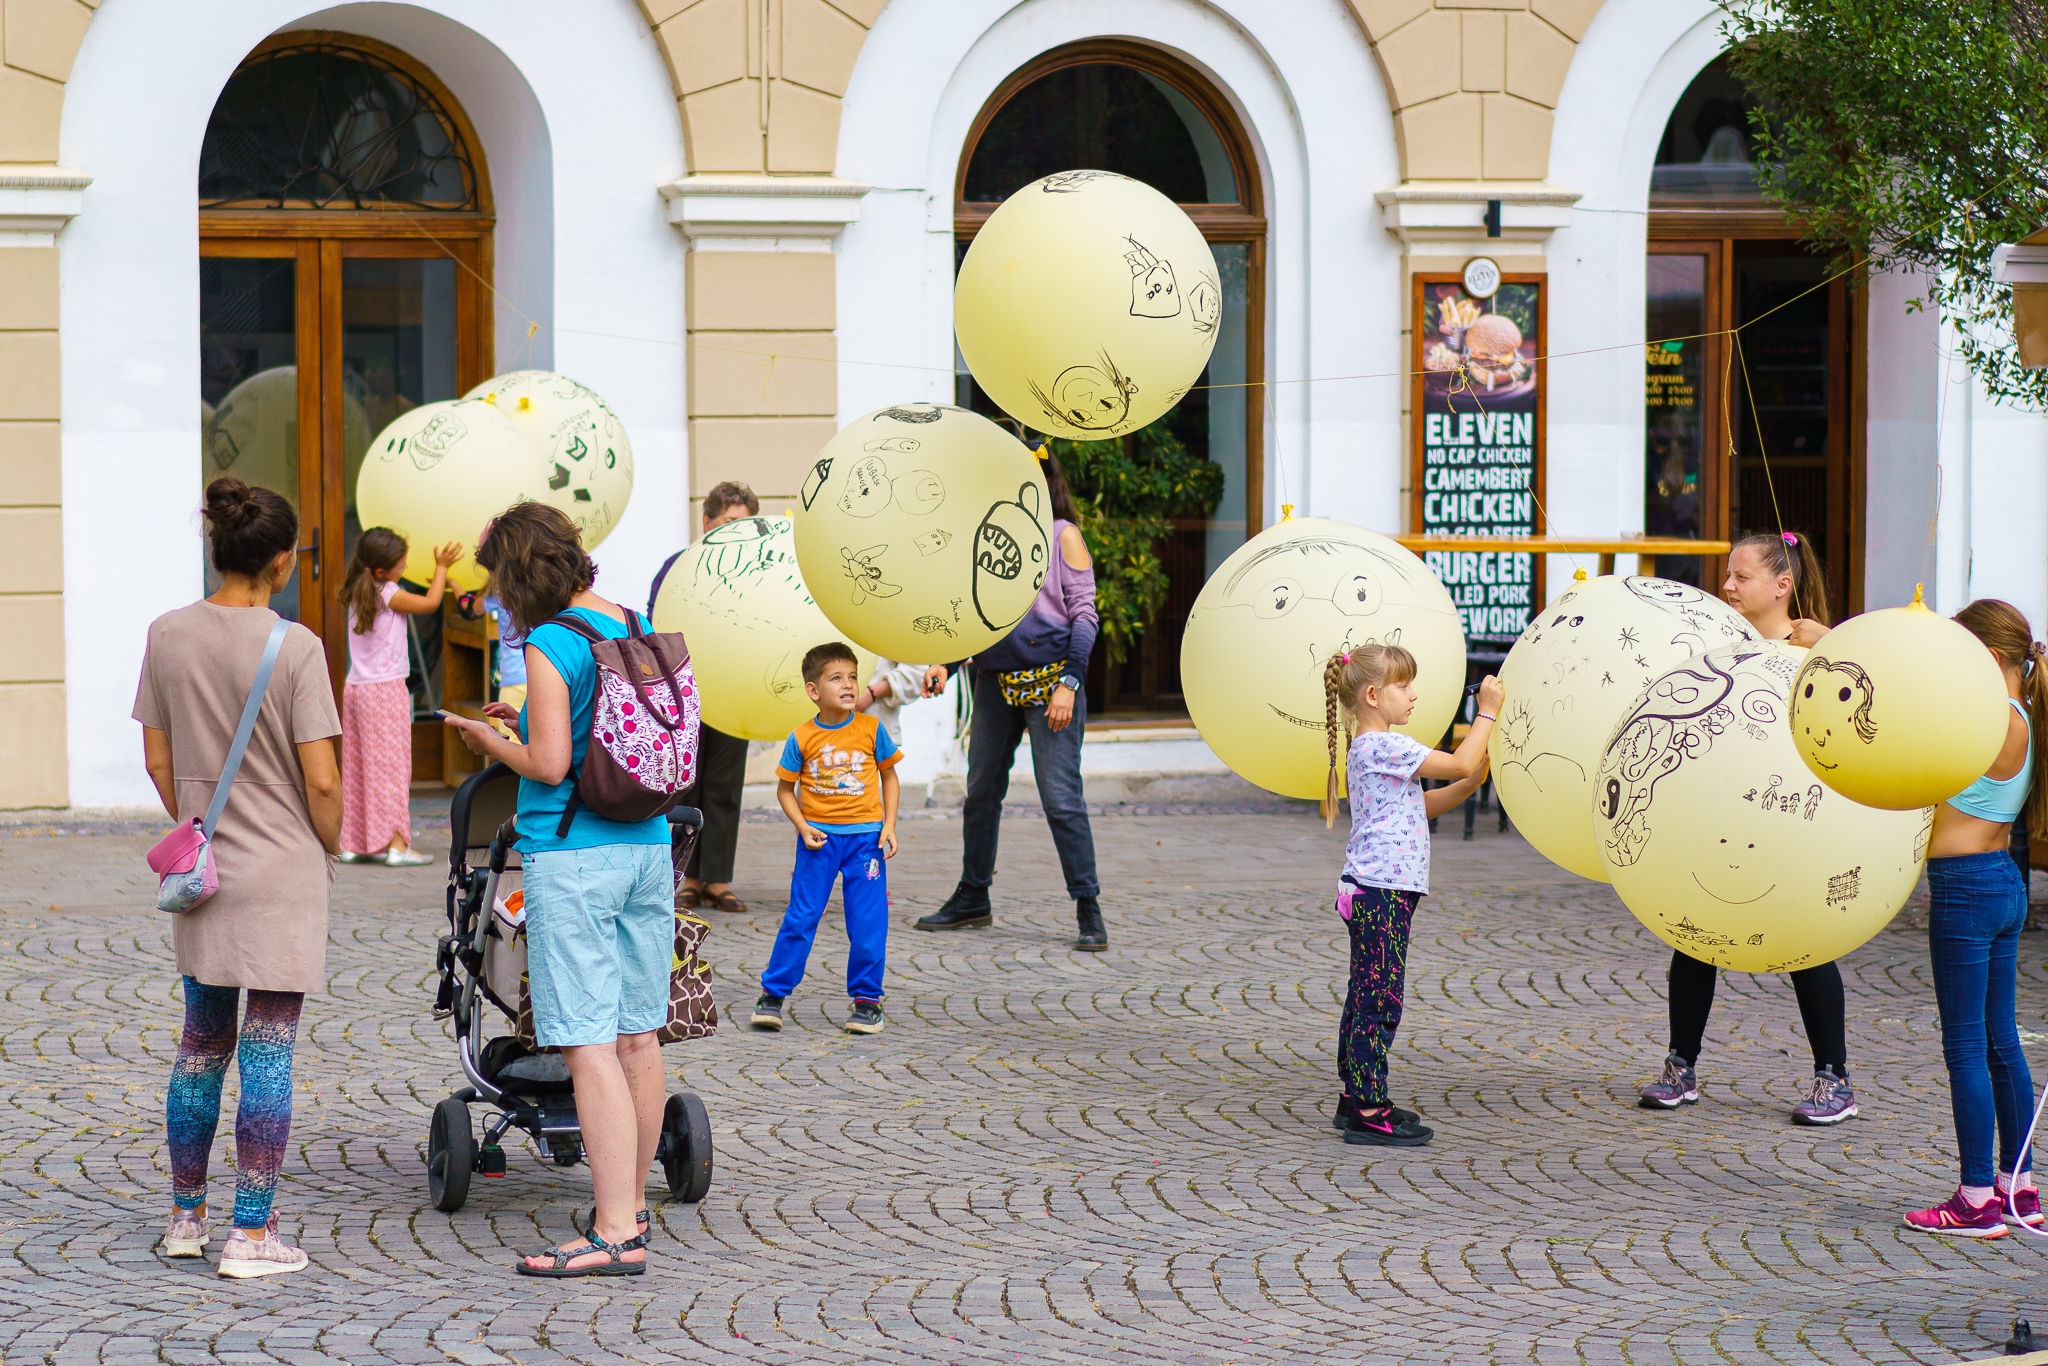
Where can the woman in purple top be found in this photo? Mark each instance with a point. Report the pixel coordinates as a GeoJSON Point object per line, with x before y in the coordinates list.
{"type": "Point", "coordinates": [1030, 682]}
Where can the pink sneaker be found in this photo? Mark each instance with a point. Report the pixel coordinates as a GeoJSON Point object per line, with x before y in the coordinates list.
{"type": "Point", "coordinates": [2027, 1202]}
{"type": "Point", "coordinates": [187, 1236]}
{"type": "Point", "coordinates": [274, 1255]}
{"type": "Point", "coordinates": [1956, 1218]}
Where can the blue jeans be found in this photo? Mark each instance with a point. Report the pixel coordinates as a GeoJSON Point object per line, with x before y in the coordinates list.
{"type": "Point", "coordinates": [1055, 763]}
{"type": "Point", "coordinates": [600, 940]}
{"type": "Point", "coordinates": [1973, 929]}
{"type": "Point", "coordinates": [856, 862]}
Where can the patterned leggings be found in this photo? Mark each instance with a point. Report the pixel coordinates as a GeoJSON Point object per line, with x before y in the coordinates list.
{"type": "Point", "coordinates": [263, 1119]}
{"type": "Point", "coordinates": [1378, 920]}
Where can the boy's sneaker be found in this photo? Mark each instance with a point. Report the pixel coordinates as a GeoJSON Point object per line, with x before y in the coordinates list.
{"type": "Point", "coordinates": [2027, 1202]}
{"type": "Point", "coordinates": [1346, 1107]}
{"type": "Point", "coordinates": [966, 909]}
{"type": "Point", "coordinates": [274, 1255]}
{"type": "Point", "coordinates": [1957, 1218]}
{"type": "Point", "coordinates": [1386, 1131]}
{"type": "Point", "coordinates": [767, 1012]}
{"type": "Point", "coordinates": [187, 1234]}
{"type": "Point", "coordinates": [1680, 1085]}
{"type": "Point", "coordinates": [865, 1019]}
{"type": "Point", "coordinates": [1831, 1102]}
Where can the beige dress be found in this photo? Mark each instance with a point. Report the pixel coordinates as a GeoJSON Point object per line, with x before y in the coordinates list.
{"type": "Point", "coordinates": [266, 927]}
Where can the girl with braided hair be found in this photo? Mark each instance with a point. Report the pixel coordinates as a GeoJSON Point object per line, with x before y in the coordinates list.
{"type": "Point", "coordinates": [1369, 690]}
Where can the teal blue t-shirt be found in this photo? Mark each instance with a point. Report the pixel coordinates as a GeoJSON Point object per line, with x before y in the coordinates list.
{"type": "Point", "coordinates": [541, 806]}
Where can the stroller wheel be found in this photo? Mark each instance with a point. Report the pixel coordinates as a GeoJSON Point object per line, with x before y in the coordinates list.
{"type": "Point", "coordinates": [451, 1155]}
{"type": "Point", "coordinates": [686, 1147]}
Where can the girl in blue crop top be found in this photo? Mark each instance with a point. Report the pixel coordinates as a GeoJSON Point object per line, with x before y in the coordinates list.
{"type": "Point", "coordinates": [1978, 906]}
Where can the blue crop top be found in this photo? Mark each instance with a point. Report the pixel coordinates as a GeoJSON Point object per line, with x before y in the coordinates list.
{"type": "Point", "coordinates": [2000, 799]}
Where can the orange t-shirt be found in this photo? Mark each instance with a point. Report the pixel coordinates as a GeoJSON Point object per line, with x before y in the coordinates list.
{"type": "Point", "coordinates": [838, 772]}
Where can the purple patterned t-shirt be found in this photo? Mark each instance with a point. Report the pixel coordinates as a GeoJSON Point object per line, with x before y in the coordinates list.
{"type": "Point", "coordinates": [1389, 844]}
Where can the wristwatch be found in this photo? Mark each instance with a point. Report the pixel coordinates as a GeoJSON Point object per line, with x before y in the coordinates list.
{"type": "Point", "coordinates": [1070, 682]}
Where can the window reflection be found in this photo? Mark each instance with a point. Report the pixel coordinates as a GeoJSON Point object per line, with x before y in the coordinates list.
{"type": "Point", "coordinates": [249, 383]}
{"type": "Point", "coordinates": [1674, 417]}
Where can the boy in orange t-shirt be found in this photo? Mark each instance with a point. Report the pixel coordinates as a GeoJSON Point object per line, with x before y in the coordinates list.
{"type": "Point", "coordinates": [837, 785]}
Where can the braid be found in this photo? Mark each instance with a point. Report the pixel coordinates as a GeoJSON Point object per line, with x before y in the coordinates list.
{"type": "Point", "coordinates": [1345, 675]}
{"type": "Point", "coordinates": [1333, 682]}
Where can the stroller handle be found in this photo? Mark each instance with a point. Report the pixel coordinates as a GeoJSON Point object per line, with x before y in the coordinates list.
{"type": "Point", "coordinates": [501, 844]}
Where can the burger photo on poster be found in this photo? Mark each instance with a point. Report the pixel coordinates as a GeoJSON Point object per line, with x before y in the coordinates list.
{"type": "Point", "coordinates": [1493, 351]}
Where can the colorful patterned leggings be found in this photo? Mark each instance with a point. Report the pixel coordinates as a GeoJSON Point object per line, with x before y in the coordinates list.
{"type": "Point", "coordinates": [1378, 920]}
{"type": "Point", "coordinates": [263, 1119]}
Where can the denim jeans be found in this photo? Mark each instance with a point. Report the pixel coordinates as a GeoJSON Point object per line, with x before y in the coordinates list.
{"type": "Point", "coordinates": [1973, 928]}
{"type": "Point", "coordinates": [1055, 762]}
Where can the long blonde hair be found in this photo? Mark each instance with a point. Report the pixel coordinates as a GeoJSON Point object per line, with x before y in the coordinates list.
{"type": "Point", "coordinates": [2003, 629]}
{"type": "Point", "coordinates": [1345, 675]}
{"type": "Point", "coordinates": [379, 548]}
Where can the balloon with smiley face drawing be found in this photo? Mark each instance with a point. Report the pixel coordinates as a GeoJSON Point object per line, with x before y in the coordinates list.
{"type": "Point", "coordinates": [1251, 662]}
{"type": "Point", "coordinates": [923, 531]}
{"type": "Point", "coordinates": [1720, 842]}
{"type": "Point", "coordinates": [1864, 725]}
{"type": "Point", "coordinates": [1087, 305]}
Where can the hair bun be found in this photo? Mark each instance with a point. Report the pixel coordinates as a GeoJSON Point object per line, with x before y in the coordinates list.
{"type": "Point", "coordinates": [230, 503]}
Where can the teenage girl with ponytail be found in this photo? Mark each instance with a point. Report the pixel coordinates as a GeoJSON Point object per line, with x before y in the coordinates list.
{"type": "Point", "coordinates": [376, 710]}
{"type": "Point", "coordinates": [1369, 690]}
{"type": "Point", "coordinates": [1978, 907]}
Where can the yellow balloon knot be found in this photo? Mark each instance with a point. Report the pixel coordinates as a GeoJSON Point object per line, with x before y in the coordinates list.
{"type": "Point", "coordinates": [525, 403]}
{"type": "Point", "coordinates": [491, 399]}
{"type": "Point", "coordinates": [1919, 598]}
{"type": "Point", "coordinates": [1579, 574]}
{"type": "Point", "coordinates": [1287, 512]}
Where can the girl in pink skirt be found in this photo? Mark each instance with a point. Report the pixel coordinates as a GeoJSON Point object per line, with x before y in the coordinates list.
{"type": "Point", "coordinates": [376, 710]}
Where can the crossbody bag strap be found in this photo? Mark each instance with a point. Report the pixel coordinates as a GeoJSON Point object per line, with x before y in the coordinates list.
{"type": "Point", "coordinates": [247, 726]}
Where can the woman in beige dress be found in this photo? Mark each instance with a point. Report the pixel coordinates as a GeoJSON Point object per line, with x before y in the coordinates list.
{"type": "Point", "coordinates": [265, 930]}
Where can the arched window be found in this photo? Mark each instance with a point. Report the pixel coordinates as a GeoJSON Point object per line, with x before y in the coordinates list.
{"type": "Point", "coordinates": [1125, 107]}
{"type": "Point", "coordinates": [1707, 154]}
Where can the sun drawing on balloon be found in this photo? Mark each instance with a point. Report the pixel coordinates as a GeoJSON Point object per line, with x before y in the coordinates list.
{"type": "Point", "coordinates": [1515, 730]}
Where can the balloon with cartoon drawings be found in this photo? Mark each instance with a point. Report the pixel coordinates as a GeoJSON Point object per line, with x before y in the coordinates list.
{"type": "Point", "coordinates": [1717, 839]}
{"type": "Point", "coordinates": [923, 531]}
{"type": "Point", "coordinates": [1580, 663]}
{"type": "Point", "coordinates": [1251, 661]}
{"type": "Point", "coordinates": [585, 458]}
{"type": "Point", "coordinates": [1087, 305]}
{"type": "Point", "coordinates": [740, 602]}
{"type": "Point", "coordinates": [439, 473]}
{"type": "Point", "coordinates": [1862, 722]}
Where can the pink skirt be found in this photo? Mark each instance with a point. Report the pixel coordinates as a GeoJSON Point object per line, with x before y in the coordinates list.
{"type": "Point", "coordinates": [376, 766]}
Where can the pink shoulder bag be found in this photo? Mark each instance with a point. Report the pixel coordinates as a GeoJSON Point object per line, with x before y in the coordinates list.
{"type": "Point", "coordinates": [184, 858]}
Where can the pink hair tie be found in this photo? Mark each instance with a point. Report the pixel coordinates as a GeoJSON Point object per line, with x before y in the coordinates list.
{"type": "Point", "coordinates": [1790, 539]}
{"type": "Point", "coordinates": [1346, 656]}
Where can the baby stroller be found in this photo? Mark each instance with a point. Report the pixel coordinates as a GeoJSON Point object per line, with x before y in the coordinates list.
{"type": "Point", "coordinates": [482, 958]}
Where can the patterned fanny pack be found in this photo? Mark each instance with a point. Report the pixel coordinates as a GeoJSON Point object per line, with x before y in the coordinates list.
{"type": "Point", "coordinates": [1031, 687]}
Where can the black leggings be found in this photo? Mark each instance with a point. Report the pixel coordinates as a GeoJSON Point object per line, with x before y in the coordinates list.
{"type": "Point", "coordinates": [1821, 1007]}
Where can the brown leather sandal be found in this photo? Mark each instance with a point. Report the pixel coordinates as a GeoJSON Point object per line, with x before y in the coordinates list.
{"type": "Point", "coordinates": [725, 901]}
{"type": "Point", "coordinates": [689, 898]}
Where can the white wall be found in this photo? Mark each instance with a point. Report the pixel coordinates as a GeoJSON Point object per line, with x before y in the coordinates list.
{"type": "Point", "coordinates": [579, 126]}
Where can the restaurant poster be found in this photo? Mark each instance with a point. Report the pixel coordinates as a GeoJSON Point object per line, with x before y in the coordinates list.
{"type": "Point", "coordinates": [1479, 442]}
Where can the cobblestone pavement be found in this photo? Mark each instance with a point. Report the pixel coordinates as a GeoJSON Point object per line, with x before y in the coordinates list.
{"type": "Point", "coordinates": [1048, 1156]}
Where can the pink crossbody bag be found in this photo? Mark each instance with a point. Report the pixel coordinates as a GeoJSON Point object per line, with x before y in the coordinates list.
{"type": "Point", "coordinates": [184, 859]}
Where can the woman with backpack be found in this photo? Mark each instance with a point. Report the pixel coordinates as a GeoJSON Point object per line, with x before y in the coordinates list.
{"type": "Point", "coordinates": [600, 894]}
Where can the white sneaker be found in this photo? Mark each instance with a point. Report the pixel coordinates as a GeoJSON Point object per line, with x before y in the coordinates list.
{"type": "Point", "coordinates": [273, 1255]}
{"type": "Point", "coordinates": [406, 858]}
{"type": "Point", "coordinates": [187, 1235]}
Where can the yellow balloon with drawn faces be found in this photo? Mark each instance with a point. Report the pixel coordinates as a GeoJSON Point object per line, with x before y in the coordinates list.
{"type": "Point", "coordinates": [1868, 726]}
{"type": "Point", "coordinates": [1270, 617]}
{"type": "Point", "coordinates": [583, 462]}
{"type": "Point", "coordinates": [924, 532]}
{"type": "Point", "coordinates": [440, 473]}
{"type": "Point", "coordinates": [740, 602]}
{"type": "Point", "coordinates": [1720, 842]}
{"type": "Point", "coordinates": [1087, 305]}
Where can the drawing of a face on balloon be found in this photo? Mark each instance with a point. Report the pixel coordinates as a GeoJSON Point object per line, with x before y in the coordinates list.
{"type": "Point", "coordinates": [585, 459]}
{"type": "Point", "coordinates": [1269, 619]}
{"type": "Point", "coordinates": [1835, 698]}
{"type": "Point", "coordinates": [1093, 398]}
{"type": "Point", "coordinates": [1009, 558]}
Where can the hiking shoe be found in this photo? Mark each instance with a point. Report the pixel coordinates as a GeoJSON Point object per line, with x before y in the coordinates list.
{"type": "Point", "coordinates": [1680, 1085]}
{"type": "Point", "coordinates": [966, 909]}
{"type": "Point", "coordinates": [1831, 1102]}
{"type": "Point", "coordinates": [865, 1019]}
{"type": "Point", "coordinates": [1091, 936]}
{"type": "Point", "coordinates": [767, 1012]}
{"type": "Point", "coordinates": [274, 1255]}
{"type": "Point", "coordinates": [187, 1234]}
{"type": "Point", "coordinates": [2027, 1202]}
{"type": "Point", "coordinates": [1957, 1218]}
{"type": "Point", "coordinates": [1346, 1108]}
{"type": "Point", "coordinates": [1386, 1131]}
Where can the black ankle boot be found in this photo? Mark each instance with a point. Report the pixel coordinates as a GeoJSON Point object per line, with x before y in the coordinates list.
{"type": "Point", "coordinates": [1093, 938]}
{"type": "Point", "coordinates": [966, 909]}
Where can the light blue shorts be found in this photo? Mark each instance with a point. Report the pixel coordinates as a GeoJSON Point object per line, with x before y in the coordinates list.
{"type": "Point", "coordinates": [600, 936]}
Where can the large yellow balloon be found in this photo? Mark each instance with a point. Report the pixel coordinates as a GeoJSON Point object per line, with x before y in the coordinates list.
{"type": "Point", "coordinates": [1269, 618]}
{"type": "Point", "coordinates": [254, 433]}
{"type": "Point", "coordinates": [1861, 712]}
{"type": "Point", "coordinates": [1721, 845]}
{"type": "Point", "coordinates": [925, 531]}
{"type": "Point", "coordinates": [585, 460]}
{"type": "Point", "coordinates": [1087, 305]}
{"type": "Point", "coordinates": [440, 473]}
{"type": "Point", "coordinates": [1579, 665]}
{"type": "Point", "coordinates": [741, 604]}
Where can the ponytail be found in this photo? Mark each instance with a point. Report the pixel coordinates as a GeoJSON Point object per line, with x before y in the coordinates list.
{"type": "Point", "coordinates": [379, 547]}
{"type": "Point", "coordinates": [1790, 552]}
{"type": "Point", "coordinates": [1346, 674]}
{"type": "Point", "coordinates": [2003, 629]}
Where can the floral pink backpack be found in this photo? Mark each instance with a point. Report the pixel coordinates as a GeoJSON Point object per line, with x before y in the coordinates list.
{"type": "Point", "coordinates": [642, 753]}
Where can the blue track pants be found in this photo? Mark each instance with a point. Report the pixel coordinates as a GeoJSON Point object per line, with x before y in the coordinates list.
{"type": "Point", "coordinates": [857, 861]}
